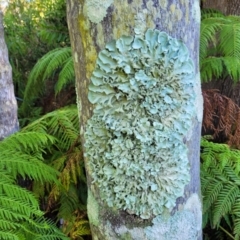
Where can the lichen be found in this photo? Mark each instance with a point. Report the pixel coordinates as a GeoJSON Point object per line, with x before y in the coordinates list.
{"type": "Point", "coordinates": [196, 13]}
{"type": "Point", "coordinates": [199, 98]}
{"type": "Point", "coordinates": [92, 209]}
{"type": "Point", "coordinates": [163, 3]}
{"type": "Point", "coordinates": [134, 233]}
{"type": "Point", "coordinates": [96, 10]}
{"type": "Point", "coordinates": [193, 205]}
{"type": "Point", "coordinates": [181, 226]}
{"type": "Point", "coordinates": [143, 88]}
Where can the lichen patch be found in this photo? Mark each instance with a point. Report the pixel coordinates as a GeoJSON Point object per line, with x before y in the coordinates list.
{"type": "Point", "coordinates": [143, 91]}
{"type": "Point", "coordinates": [96, 10]}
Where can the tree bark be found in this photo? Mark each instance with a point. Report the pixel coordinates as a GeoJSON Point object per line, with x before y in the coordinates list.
{"type": "Point", "coordinates": [91, 26]}
{"type": "Point", "coordinates": [8, 105]}
{"type": "Point", "coordinates": [227, 7]}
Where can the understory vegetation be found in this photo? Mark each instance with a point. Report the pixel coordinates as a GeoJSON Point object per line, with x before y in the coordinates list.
{"type": "Point", "coordinates": [41, 166]}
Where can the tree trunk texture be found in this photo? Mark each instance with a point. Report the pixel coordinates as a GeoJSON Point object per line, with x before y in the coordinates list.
{"type": "Point", "coordinates": [8, 105]}
{"type": "Point", "coordinates": [225, 86]}
{"type": "Point", "coordinates": [92, 24]}
{"type": "Point", "coordinates": [225, 6]}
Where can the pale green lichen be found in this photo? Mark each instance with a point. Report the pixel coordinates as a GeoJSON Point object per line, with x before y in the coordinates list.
{"type": "Point", "coordinates": [163, 3]}
{"type": "Point", "coordinates": [96, 10]}
{"type": "Point", "coordinates": [181, 226]}
{"type": "Point", "coordinates": [92, 209]}
{"type": "Point", "coordinates": [143, 88]}
{"type": "Point", "coordinates": [199, 97]}
{"type": "Point", "coordinates": [194, 205]}
{"type": "Point", "coordinates": [134, 233]}
{"type": "Point", "coordinates": [196, 13]}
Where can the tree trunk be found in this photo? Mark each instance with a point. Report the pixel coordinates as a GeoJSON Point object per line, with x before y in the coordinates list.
{"type": "Point", "coordinates": [225, 86]}
{"type": "Point", "coordinates": [8, 104]}
{"type": "Point", "coordinates": [227, 7]}
{"type": "Point", "coordinates": [140, 116]}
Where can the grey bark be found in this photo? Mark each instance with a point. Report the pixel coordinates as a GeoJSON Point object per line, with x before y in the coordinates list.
{"type": "Point", "coordinates": [8, 105]}
{"type": "Point", "coordinates": [180, 19]}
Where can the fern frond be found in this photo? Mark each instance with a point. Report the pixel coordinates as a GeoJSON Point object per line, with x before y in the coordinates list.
{"type": "Point", "coordinates": [219, 46]}
{"type": "Point", "coordinates": [8, 235]}
{"type": "Point", "coordinates": [208, 31]}
{"type": "Point", "coordinates": [42, 229]}
{"type": "Point", "coordinates": [10, 189]}
{"type": "Point", "coordinates": [220, 178]}
{"type": "Point", "coordinates": [63, 124]}
{"type": "Point", "coordinates": [232, 65]}
{"type": "Point", "coordinates": [211, 67]}
{"type": "Point", "coordinates": [59, 58]}
{"type": "Point", "coordinates": [221, 118]}
{"type": "Point", "coordinates": [44, 69]}
{"type": "Point", "coordinates": [207, 13]}
{"type": "Point", "coordinates": [26, 142]}
{"type": "Point", "coordinates": [229, 43]}
{"type": "Point", "coordinates": [211, 193]}
{"type": "Point", "coordinates": [66, 75]}
{"type": "Point", "coordinates": [81, 229]}
{"type": "Point", "coordinates": [224, 202]}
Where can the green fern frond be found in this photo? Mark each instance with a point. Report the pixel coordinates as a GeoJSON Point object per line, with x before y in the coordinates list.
{"type": "Point", "coordinates": [66, 75]}
{"type": "Point", "coordinates": [42, 229]}
{"type": "Point", "coordinates": [60, 57]}
{"type": "Point", "coordinates": [211, 194]}
{"type": "Point", "coordinates": [208, 30]}
{"type": "Point", "coordinates": [10, 189]}
{"type": "Point", "coordinates": [27, 142]}
{"type": "Point", "coordinates": [229, 43]}
{"type": "Point", "coordinates": [69, 202]}
{"type": "Point", "coordinates": [57, 143]}
{"type": "Point", "coordinates": [8, 235]}
{"type": "Point", "coordinates": [220, 178]}
{"type": "Point", "coordinates": [63, 124]}
{"type": "Point", "coordinates": [21, 154]}
{"type": "Point", "coordinates": [207, 13]}
{"type": "Point", "coordinates": [45, 68]}
{"type": "Point", "coordinates": [225, 201]}
{"type": "Point", "coordinates": [219, 46]}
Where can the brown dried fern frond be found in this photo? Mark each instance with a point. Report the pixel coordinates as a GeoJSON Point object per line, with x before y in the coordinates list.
{"type": "Point", "coordinates": [221, 118]}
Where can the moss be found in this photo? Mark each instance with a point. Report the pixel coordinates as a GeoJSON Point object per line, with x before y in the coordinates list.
{"type": "Point", "coordinates": [88, 45]}
{"type": "Point", "coordinates": [143, 90]}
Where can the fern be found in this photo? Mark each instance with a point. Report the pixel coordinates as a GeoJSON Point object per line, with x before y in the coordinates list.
{"type": "Point", "coordinates": [220, 178]}
{"type": "Point", "coordinates": [221, 118]}
{"type": "Point", "coordinates": [65, 156]}
{"type": "Point", "coordinates": [66, 76]}
{"type": "Point", "coordinates": [58, 61]}
{"type": "Point", "coordinates": [52, 139]}
{"type": "Point", "coordinates": [19, 209]}
{"type": "Point", "coordinates": [219, 46]}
